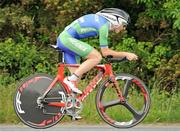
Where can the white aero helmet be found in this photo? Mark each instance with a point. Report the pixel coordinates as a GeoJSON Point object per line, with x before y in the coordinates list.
{"type": "Point", "coordinates": [115, 16]}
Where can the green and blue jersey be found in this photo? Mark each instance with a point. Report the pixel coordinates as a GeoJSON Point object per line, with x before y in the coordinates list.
{"type": "Point", "coordinates": [86, 26]}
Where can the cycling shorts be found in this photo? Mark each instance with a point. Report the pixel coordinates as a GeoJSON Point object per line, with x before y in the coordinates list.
{"type": "Point", "coordinates": [73, 48]}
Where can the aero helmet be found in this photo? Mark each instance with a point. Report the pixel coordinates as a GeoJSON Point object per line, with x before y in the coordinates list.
{"type": "Point", "coordinates": [115, 16]}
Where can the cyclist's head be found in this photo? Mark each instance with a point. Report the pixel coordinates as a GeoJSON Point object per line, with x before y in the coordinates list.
{"type": "Point", "coordinates": [115, 16]}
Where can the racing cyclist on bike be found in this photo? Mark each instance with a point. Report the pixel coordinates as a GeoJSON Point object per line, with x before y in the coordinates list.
{"type": "Point", "coordinates": [99, 24]}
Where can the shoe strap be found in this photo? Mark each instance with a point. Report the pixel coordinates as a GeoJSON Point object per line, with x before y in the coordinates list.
{"type": "Point", "coordinates": [74, 82]}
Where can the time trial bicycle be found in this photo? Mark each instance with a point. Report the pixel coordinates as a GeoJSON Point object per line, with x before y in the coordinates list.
{"type": "Point", "coordinates": [122, 100]}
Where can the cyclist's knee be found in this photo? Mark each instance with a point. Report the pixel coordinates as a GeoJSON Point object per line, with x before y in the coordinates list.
{"type": "Point", "coordinates": [95, 55]}
{"type": "Point", "coordinates": [99, 57]}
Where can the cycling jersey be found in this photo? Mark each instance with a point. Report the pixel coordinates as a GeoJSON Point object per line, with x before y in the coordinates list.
{"type": "Point", "coordinates": [86, 26]}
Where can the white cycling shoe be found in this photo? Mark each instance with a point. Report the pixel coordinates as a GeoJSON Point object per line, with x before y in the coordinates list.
{"type": "Point", "coordinates": [72, 86]}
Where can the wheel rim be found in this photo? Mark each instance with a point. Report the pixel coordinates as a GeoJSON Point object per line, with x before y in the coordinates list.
{"type": "Point", "coordinates": [129, 113]}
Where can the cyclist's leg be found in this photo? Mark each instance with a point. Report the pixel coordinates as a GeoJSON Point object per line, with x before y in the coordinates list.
{"type": "Point", "coordinates": [70, 58]}
{"type": "Point", "coordinates": [93, 58]}
{"type": "Point", "coordinates": [82, 49]}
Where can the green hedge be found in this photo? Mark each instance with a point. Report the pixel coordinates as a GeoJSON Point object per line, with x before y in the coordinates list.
{"type": "Point", "coordinates": [22, 58]}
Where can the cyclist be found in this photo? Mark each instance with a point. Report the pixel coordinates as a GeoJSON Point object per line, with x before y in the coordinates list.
{"type": "Point", "coordinates": [99, 24]}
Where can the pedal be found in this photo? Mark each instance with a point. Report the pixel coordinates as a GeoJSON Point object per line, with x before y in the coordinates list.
{"type": "Point", "coordinates": [75, 117]}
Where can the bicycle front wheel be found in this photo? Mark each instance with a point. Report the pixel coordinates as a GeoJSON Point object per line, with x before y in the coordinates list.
{"type": "Point", "coordinates": [123, 114]}
{"type": "Point", "coordinates": [26, 102]}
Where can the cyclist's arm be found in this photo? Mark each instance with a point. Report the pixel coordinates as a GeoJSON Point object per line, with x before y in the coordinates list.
{"type": "Point", "coordinates": [103, 35]}
{"type": "Point", "coordinates": [130, 56]}
{"type": "Point", "coordinates": [103, 38]}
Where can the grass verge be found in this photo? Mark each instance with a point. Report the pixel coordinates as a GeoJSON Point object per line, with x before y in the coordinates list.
{"type": "Point", "coordinates": [164, 108]}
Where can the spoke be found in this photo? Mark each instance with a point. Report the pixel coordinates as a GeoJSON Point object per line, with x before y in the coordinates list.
{"type": "Point", "coordinates": [111, 103]}
{"type": "Point", "coordinates": [135, 113]}
{"type": "Point", "coordinates": [126, 87]}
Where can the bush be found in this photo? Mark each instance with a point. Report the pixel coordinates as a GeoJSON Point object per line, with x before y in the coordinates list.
{"type": "Point", "coordinates": [23, 58]}
{"type": "Point", "coordinates": [168, 74]}
{"type": "Point", "coordinates": [155, 64]}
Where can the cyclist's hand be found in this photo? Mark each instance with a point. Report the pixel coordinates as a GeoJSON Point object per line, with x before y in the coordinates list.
{"type": "Point", "coordinates": [131, 56]}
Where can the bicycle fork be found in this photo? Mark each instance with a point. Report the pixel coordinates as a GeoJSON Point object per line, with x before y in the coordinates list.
{"type": "Point", "coordinates": [117, 88]}
{"type": "Point", "coordinates": [109, 72]}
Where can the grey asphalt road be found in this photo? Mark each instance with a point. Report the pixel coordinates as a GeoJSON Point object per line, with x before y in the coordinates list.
{"type": "Point", "coordinates": [106, 128]}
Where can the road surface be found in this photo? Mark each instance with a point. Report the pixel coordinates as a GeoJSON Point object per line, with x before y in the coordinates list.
{"type": "Point", "coordinates": [98, 128]}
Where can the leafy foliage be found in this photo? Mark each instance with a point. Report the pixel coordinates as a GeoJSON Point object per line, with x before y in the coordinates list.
{"type": "Point", "coordinates": [168, 74]}
{"type": "Point", "coordinates": [21, 59]}
{"type": "Point", "coordinates": [28, 26]}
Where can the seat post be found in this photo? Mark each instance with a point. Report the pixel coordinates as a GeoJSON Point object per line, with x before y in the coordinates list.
{"type": "Point", "coordinates": [61, 56]}
{"type": "Point", "coordinates": [60, 53]}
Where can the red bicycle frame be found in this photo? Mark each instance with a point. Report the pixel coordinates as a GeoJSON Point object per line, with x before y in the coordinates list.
{"type": "Point", "coordinates": [105, 70]}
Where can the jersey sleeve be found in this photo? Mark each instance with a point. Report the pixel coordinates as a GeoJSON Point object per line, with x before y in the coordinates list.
{"type": "Point", "coordinates": [103, 35]}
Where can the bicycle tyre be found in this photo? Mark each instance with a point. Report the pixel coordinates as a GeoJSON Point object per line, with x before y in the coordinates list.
{"type": "Point", "coordinates": [115, 113]}
{"type": "Point", "coordinates": [25, 102]}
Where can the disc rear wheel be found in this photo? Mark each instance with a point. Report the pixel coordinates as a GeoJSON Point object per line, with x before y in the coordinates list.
{"type": "Point", "coordinates": [26, 104]}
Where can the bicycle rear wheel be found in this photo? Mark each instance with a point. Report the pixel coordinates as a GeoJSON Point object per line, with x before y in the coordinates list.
{"type": "Point", "coordinates": [123, 114]}
{"type": "Point", "coordinates": [26, 106]}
